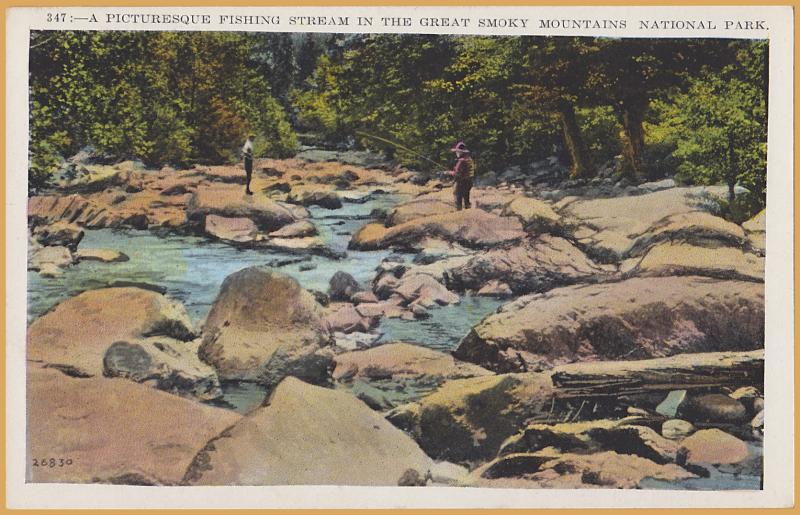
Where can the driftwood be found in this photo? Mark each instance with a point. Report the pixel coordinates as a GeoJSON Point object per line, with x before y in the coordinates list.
{"type": "Point", "coordinates": [681, 372]}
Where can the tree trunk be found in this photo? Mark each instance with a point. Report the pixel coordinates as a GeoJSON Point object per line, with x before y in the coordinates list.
{"type": "Point", "coordinates": [632, 116]}
{"type": "Point", "coordinates": [581, 168]}
{"type": "Point", "coordinates": [733, 168]}
{"type": "Point", "coordinates": [681, 372]}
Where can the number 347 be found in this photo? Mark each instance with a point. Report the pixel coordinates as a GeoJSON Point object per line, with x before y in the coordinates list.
{"type": "Point", "coordinates": [57, 17]}
{"type": "Point", "coordinates": [52, 462]}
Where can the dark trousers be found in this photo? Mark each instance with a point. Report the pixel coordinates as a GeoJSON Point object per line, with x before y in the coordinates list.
{"type": "Point", "coordinates": [461, 193]}
{"type": "Point", "coordinates": [248, 170]}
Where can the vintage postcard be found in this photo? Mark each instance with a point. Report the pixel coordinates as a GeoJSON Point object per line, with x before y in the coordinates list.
{"type": "Point", "coordinates": [399, 257]}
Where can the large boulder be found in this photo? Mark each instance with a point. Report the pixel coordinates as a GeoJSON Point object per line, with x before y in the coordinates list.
{"type": "Point", "coordinates": [113, 430]}
{"type": "Point", "coordinates": [467, 420]}
{"type": "Point", "coordinates": [403, 360]}
{"type": "Point", "coordinates": [633, 319]}
{"type": "Point", "coordinates": [307, 435]}
{"type": "Point", "coordinates": [167, 364]}
{"type": "Point", "coordinates": [610, 227]}
{"type": "Point", "coordinates": [233, 230]}
{"type": "Point", "coordinates": [75, 335]}
{"type": "Point", "coordinates": [472, 228]}
{"type": "Point", "coordinates": [696, 228]}
{"type": "Point", "coordinates": [264, 326]}
{"type": "Point", "coordinates": [229, 200]}
{"type": "Point", "coordinates": [418, 208]}
{"type": "Point", "coordinates": [542, 264]}
{"type": "Point", "coordinates": [665, 259]}
{"type": "Point", "coordinates": [61, 233]}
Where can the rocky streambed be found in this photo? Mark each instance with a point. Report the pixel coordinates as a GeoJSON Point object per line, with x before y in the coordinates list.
{"type": "Point", "coordinates": [346, 326]}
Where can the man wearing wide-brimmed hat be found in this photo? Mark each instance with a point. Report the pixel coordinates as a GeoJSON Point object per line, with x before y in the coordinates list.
{"type": "Point", "coordinates": [463, 173]}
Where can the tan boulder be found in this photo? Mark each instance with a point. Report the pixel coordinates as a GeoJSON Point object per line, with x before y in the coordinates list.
{"type": "Point", "coordinates": [299, 229]}
{"type": "Point", "coordinates": [612, 225]}
{"type": "Point", "coordinates": [666, 259]}
{"type": "Point", "coordinates": [425, 290]}
{"type": "Point", "coordinates": [75, 334]}
{"type": "Point", "coordinates": [49, 258]}
{"type": "Point", "coordinates": [60, 233]}
{"type": "Point", "coordinates": [539, 265]}
{"type": "Point", "coordinates": [345, 318]}
{"type": "Point", "coordinates": [418, 208]}
{"type": "Point", "coordinates": [230, 201]}
{"type": "Point", "coordinates": [307, 435]}
{"type": "Point", "coordinates": [164, 363]}
{"type": "Point", "coordinates": [263, 326]}
{"type": "Point", "coordinates": [234, 230]}
{"type": "Point", "coordinates": [536, 215]}
{"type": "Point", "coordinates": [634, 319]}
{"type": "Point", "coordinates": [467, 420]}
{"type": "Point", "coordinates": [471, 228]}
{"type": "Point", "coordinates": [403, 360]}
{"type": "Point", "coordinates": [551, 470]}
{"type": "Point", "coordinates": [713, 447]}
{"type": "Point", "coordinates": [113, 430]}
{"type": "Point", "coordinates": [696, 228]}
{"type": "Point", "coordinates": [101, 255]}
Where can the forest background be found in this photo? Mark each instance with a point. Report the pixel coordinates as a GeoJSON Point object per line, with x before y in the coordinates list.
{"type": "Point", "coordinates": [640, 109]}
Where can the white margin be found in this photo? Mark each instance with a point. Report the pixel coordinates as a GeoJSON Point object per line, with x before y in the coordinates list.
{"type": "Point", "coordinates": [779, 374]}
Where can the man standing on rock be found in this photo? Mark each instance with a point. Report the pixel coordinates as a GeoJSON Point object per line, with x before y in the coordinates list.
{"type": "Point", "coordinates": [463, 173]}
{"type": "Point", "coordinates": [247, 152]}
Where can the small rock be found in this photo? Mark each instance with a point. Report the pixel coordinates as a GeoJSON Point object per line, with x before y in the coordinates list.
{"type": "Point", "coordinates": [102, 255]}
{"type": "Point", "coordinates": [411, 477]}
{"type": "Point", "coordinates": [237, 230]}
{"type": "Point", "coordinates": [676, 429]}
{"type": "Point", "coordinates": [712, 446]}
{"type": "Point", "coordinates": [713, 407]}
{"type": "Point", "coordinates": [355, 340]}
{"type": "Point", "coordinates": [61, 233]}
{"type": "Point", "coordinates": [299, 229]}
{"type": "Point", "coordinates": [669, 406]}
{"type": "Point", "coordinates": [347, 320]}
{"type": "Point", "coordinates": [342, 286]}
{"type": "Point", "coordinates": [495, 288]}
{"type": "Point", "coordinates": [757, 424]}
{"type": "Point", "coordinates": [51, 258]}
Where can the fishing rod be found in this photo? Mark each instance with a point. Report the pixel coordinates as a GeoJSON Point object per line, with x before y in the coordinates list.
{"type": "Point", "coordinates": [401, 147]}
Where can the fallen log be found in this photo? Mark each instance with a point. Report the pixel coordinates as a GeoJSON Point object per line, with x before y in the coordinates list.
{"type": "Point", "coordinates": [681, 372]}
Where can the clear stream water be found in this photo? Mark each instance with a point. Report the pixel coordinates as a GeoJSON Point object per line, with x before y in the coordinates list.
{"type": "Point", "coordinates": [191, 269]}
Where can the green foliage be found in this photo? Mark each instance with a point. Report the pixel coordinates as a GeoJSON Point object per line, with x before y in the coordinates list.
{"type": "Point", "coordinates": [718, 128]}
{"type": "Point", "coordinates": [164, 97]}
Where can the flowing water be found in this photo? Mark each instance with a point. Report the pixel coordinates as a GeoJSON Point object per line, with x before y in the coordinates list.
{"type": "Point", "coordinates": [191, 269]}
